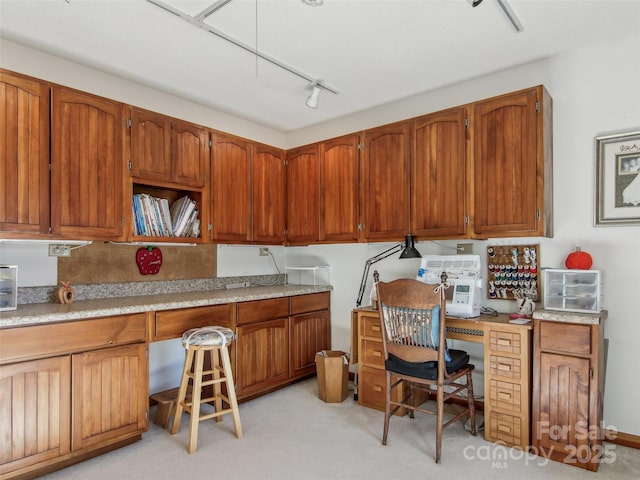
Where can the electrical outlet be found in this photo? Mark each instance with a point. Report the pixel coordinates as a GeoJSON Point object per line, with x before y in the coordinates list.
{"type": "Point", "coordinates": [264, 251]}
{"type": "Point", "coordinates": [465, 248]}
{"type": "Point", "coordinates": [58, 250]}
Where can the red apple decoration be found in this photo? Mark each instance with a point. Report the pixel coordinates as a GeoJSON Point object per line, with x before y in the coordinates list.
{"type": "Point", "coordinates": [149, 260]}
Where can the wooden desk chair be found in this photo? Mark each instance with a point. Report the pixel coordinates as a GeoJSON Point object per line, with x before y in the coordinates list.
{"type": "Point", "coordinates": [413, 315]}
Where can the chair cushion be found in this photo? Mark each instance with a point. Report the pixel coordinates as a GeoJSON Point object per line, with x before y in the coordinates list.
{"type": "Point", "coordinates": [208, 336]}
{"type": "Point", "coordinates": [435, 332]}
{"type": "Point", "coordinates": [426, 370]}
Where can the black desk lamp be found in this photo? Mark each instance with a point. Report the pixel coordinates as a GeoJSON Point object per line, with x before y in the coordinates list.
{"type": "Point", "coordinates": [408, 251]}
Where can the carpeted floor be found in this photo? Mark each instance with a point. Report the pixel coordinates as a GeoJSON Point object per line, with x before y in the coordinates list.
{"type": "Point", "coordinates": [291, 434]}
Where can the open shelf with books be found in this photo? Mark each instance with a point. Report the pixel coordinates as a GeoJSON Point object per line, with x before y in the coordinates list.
{"type": "Point", "coordinates": [160, 214]}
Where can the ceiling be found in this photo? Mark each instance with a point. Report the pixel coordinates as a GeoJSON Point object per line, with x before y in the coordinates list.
{"type": "Point", "coordinates": [370, 52]}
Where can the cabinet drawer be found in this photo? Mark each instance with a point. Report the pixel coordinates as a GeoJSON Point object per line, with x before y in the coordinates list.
{"type": "Point", "coordinates": [506, 342]}
{"type": "Point", "coordinates": [371, 327]}
{"type": "Point", "coordinates": [372, 387]}
{"type": "Point", "coordinates": [372, 353]}
{"type": "Point", "coordinates": [173, 323]}
{"type": "Point", "coordinates": [310, 303]}
{"type": "Point", "coordinates": [260, 310]}
{"type": "Point", "coordinates": [505, 396]}
{"type": "Point", "coordinates": [565, 337]}
{"type": "Point", "coordinates": [505, 428]}
{"type": "Point", "coordinates": [60, 338]}
{"type": "Point", "coordinates": [506, 367]}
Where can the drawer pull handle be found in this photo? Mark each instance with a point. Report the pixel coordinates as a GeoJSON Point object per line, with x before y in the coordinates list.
{"type": "Point", "coordinates": [504, 395]}
{"type": "Point", "coordinates": [377, 388]}
{"type": "Point", "coordinates": [504, 428]}
{"type": "Point", "coordinates": [377, 353]}
{"type": "Point", "coordinates": [504, 366]}
{"type": "Point", "coordinates": [504, 341]}
{"type": "Point", "coordinates": [375, 327]}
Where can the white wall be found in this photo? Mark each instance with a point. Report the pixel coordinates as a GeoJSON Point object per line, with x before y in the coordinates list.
{"type": "Point", "coordinates": [595, 91]}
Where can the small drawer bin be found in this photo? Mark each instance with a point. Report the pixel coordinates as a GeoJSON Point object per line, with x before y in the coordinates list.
{"type": "Point", "coordinates": [8, 287]}
{"type": "Point", "coordinates": [573, 290]}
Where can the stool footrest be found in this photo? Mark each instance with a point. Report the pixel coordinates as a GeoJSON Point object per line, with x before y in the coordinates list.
{"type": "Point", "coordinates": [215, 414]}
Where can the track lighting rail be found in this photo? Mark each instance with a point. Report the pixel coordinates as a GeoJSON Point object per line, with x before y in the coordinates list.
{"type": "Point", "coordinates": [198, 21]}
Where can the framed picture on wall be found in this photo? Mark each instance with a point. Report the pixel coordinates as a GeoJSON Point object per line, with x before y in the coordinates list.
{"type": "Point", "coordinates": [618, 179]}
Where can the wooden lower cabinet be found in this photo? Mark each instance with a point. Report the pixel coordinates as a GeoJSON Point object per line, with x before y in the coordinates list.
{"type": "Point", "coordinates": [110, 397]}
{"type": "Point", "coordinates": [309, 331]}
{"type": "Point", "coordinates": [262, 356]}
{"type": "Point", "coordinates": [278, 339]}
{"type": "Point", "coordinates": [35, 410]}
{"type": "Point", "coordinates": [568, 389]}
{"type": "Point", "coordinates": [70, 391]}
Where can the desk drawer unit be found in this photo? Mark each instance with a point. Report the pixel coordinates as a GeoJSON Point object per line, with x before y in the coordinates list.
{"type": "Point", "coordinates": [507, 385]}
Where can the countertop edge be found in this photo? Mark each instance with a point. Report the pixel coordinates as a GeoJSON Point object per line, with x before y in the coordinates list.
{"type": "Point", "coordinates": [570, 317]}
{"type": "Point", "coordinates": [44, 313]}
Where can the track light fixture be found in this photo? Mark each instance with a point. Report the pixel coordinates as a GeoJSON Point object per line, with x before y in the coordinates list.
{"type": "Point", "coordinates": [312, 100]}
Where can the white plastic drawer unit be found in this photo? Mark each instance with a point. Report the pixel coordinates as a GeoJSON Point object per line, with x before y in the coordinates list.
{"type": "Point", "coordinates": [8, 287]}
{"type": "Point", "coordinates": [573, 290]}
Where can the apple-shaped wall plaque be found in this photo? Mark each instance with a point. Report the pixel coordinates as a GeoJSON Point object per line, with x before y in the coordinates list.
{"type": "Point", "coordinates": [149, 260]}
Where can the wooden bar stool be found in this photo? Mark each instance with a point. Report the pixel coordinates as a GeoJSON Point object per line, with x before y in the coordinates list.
{"type": "Point", "coordinates": [197, 342]}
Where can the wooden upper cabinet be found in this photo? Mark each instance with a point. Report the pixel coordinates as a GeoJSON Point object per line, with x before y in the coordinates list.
{"type": "Point", "coordinates": [24, 155]}
{"type": "Point", "coordinates": [87, 135]}
{"type": "Point", "coordinates": [268, 193]}
{"type": "Point", "coordinates": [164, 149]}
{"type": "Point", "coordinates": [512, 165]}
{"type": "Point", "coordinates": [189, 153]}
{"type": "Point", "coordinates": [385, 183]}
{"type": "Point", "coordinates": [230, 188]}
{"type": "Point", "coordinates": [339, 189]}
{"type": "Point", "coordinates": [303, 195]}
{"type": "Point", "coordinates": [438, 176]}
{"type": "Point", "coordinates": [150, 145]}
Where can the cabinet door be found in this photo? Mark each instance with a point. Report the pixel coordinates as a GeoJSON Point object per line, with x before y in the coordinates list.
{"type": "Point", "coordinates": [35, 406]}
{"type": "Point", "coordinates": [150, 145]}
{"type": "Point", "coordinates": [262, 357]}
{"type": "Point", "coordinates": [24, 154]}
{"type": "Point", "coordinates": [303, 195]}
{"type": "Point", "coordinates": [438, 177]}
{"type": "Point", "coordinates": [110, 394]}
{"type": "Point", "coordinates": [385, 183]}
{"type": "Point", "coordinates": [189, 154]}
{"type": "Point", "coordinates": [562, 425]}
{"type": "Point", "coordinates": [268, 191]}
{"type": "Point", "coordinates": [511, 157]}
{"type": "Point", "coordinates": [230, 188]}
{"type": "Point", "coordinates": [339, 189]}
{"type": "Point", "coordinates": [86, 165]}
{"type": "Point", "coordinates": [310, 333]}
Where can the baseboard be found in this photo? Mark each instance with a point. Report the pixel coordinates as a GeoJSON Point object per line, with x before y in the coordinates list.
{"type": "Point", "coordinates": [621, 438]}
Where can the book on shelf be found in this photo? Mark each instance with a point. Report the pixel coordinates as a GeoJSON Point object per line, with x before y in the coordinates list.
{"type": "Point", "coordinates": [181, 211]}
{"type": "Point", "coordinates": [155, 217]}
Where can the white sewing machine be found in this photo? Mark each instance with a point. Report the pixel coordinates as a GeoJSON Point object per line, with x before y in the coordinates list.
{"type": "Point", "coordinates": [463, 275]}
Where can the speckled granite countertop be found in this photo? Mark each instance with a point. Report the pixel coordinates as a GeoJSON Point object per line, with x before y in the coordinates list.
{"type": "Point", "coordinates": [39, 313]}
{"type": "Point", "coordinates": [570, 317]}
